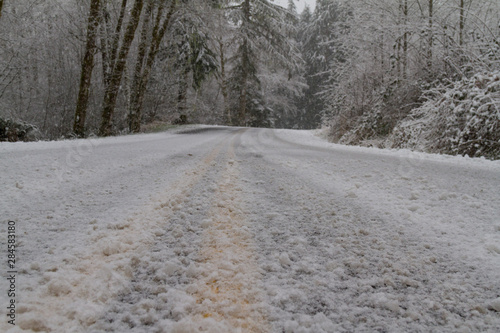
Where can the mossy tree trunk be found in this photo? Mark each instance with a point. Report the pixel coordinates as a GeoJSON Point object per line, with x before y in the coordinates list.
{"type": "Point", "coordinates": [143, 68]}
{"type": "Point", "coordinates": [111, 92]}
{"type": "Point", "coordinates": [87, 69]}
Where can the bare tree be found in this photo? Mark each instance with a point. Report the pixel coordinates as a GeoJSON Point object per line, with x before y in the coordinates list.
{"type": "Point", "coordinates": [87, 69]}
{"type": "Point", "coordinates": [143, 68]}
{"type": "Point", "coordinates": [462, 23]}
{"type": "Point", "coordinates": [111, 92]}
{"type": "Point", "coordinates": [223, 81]}
{"type": "Point", "coordinates": [110, 40]}
{"type": "Point", "coordinates": [431, 35]}
{"type": "Point", "coordinates": [405, 37]}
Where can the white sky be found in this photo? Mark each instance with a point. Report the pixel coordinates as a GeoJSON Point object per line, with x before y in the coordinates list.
{"type": "Point", "coordinates": [300, 4]}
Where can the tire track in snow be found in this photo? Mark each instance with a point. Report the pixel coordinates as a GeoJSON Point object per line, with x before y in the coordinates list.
{"type": "Point", "coordinates": [73, 296]}
{"type": "Point", "coordinates": [228, 292]}
{"type": "Point", "coordinates": [200, 276]}
{"type": "Point", "coordinates": [334, 264]}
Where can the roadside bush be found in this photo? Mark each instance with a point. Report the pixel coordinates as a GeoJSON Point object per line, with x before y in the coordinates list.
{"type": "Point", "coordinates": [13, 131]}
{"type": "Point", "coordinates": [463, 119]}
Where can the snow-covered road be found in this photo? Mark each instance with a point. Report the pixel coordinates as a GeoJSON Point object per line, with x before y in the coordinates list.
{"type": "Point", "coordinates": [220, 229]}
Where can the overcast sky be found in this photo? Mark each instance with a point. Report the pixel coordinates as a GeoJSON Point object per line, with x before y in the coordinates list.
{"type": "Point", "coordinates": [300, 3]}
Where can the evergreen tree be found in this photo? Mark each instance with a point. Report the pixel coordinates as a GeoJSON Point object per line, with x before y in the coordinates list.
{"type": "Point", "coordinates": [261, 30]}
{"type": "Point", "coordinates": [193, 56]}
{"type": "Point", "coordinates": [285, 86]}
{"type": "Point", "coordinates": [320, 48]}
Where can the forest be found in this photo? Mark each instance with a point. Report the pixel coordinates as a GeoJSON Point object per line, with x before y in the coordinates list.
{"type": "Point", "coordinates": [418, 74]}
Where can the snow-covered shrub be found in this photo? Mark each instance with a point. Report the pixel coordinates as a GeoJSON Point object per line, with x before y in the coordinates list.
{"type": "Point", "coordinates": [369, 120]}
{"type": "Point", "coordinates": [17, 131]}
{"type": "Point", "coordinates": [462, 119]}
{"type": "Point", "coordinates": [370, 126]}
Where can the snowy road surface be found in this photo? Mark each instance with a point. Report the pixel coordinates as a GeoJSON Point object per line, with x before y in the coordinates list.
{"type": "Point", "coordinates": [248, 230]}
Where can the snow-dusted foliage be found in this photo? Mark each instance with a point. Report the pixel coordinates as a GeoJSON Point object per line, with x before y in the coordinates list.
{"type": "Point", "coordinates": [17, 131]}
{"type": "Point", "coordinates": [319, 37]}
{"type": "Point", "coordinates": [370, 126]}
{"type": "Point", "coordinates": [398, 54]}
{"type": "Point", "coordinates": [265, 49]}
{"type": "Point", "coordinates": [462, 119]}
{"type": "Point", "coordinates": [39, 63]}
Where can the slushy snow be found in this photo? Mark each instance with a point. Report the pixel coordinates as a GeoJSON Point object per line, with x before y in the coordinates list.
{"type": "Point", "coordinates": [221, 229]}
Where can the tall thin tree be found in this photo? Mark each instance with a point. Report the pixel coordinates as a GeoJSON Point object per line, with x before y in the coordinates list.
{"type": "Point", "coordinates": [111, 93]}
{"type": "Point", "coordinates": [143, 67]}
{"type": "Point", "coordinates": [87, 69]}
{"type": "Point", "coordinates": [110, 40]}
{"type": "Point", "coordinates": [462, 23]}
{"type": "Point", "coordinates": [431, 35]}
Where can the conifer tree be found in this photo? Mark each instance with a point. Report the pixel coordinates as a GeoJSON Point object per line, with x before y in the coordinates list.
{"type": "Point", "coordinates": [261, 29]}
{"type": "Point", "coordinates": [193, 56]}
{"type": "Point", "coordinates": [320, 48]}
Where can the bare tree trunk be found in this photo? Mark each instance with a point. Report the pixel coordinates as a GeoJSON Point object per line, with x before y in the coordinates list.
{"type": "Point", "coordinates": [110, 50]}
{"type": "Point", "coordinates": [143, 72]}
{"type": "Point", "coordinates": [104, 55]}
{"type": "Point", "coordinates": [116, 36]}
{"type": "Point", "coordinates": [379, 54]}
{"type": "Point", "coordinates": [111, 93]}
{"type": "Point", "coordinates": [87, 68]}
{"type": "Point", "coordinates": [431, 35]}
{"type": "Point", "coordinates": [134, 118]}
{"type": "Point", "coordinates": [1, 6]}
{"type": "Point", "coordinates": [398, 48]}
{"type": "Point", "coordinates": [462, 23]}
{"type": "Point", "coordinates": [242, 112]}
{"type": "Point", "coordinates": [245, 69]}
{"type": "Point", "coordinates": [405, 39]}
{"type": "Point", "coordinates": [227, 110]}
{"type": "Point", "coordinates": [182, 95]}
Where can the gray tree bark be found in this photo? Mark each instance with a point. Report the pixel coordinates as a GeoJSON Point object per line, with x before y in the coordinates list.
{"type": "Point", "coordinates": [405, 39]}
{"type": "Point", "coordinates": [111, 93]}
{"type": "Point", "coordinates": [133, 118]}
{"type": "Point", "coordinates": [109, 49]}
{"type": "Point", "coordinates": [462, 23]}
{"type": "Point", "coordinates": [87, 69]}
{"type": "Point", "coordinates": [431, 35]}
{"type": "Point", "coordinates": [242, 114]}
{"type": "Point", "coordinates": [227, 109]}
{"type": "Point", "coordinates": [143, 70]}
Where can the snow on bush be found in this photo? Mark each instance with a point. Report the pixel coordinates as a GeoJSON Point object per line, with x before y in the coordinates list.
{"type": "Point", "coordinates": [13, 131]}
{"type": "Point", "coordinates": [463, 119]}
{"type": "Point", "coordinates": [369, 127]}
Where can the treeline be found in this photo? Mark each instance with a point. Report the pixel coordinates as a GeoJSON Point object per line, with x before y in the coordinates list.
{"type": "Point", "coordinates": [395, 62]}
{"type": "Point", "coordinates": [75, 68]}
{"type": "Point", "coordinates": [363, 68]}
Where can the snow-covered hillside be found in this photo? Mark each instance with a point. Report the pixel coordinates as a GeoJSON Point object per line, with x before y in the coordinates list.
{"type": "Point", "coordinates": [248, 230]}
{"type": "Point", "coordinates": [462, 118]}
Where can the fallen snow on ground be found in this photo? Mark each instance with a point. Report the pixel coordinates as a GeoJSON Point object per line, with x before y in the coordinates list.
{"type": "Point", "coordinates": [249, 230]}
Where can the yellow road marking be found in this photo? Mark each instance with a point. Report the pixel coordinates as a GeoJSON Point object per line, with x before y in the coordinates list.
{"type": "Point", "coordinates": [228, 290]}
